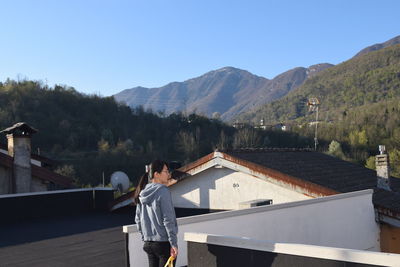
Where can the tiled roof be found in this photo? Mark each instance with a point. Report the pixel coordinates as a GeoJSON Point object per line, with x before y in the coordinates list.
{"type": "Point", "coordinates": [40, 172]}
{"type": "Point", "coordinates": [388, 200]}
{"type": "Point", "coordinates": [327, 171]}
{"type": "Point", "coordinates": [40, 158]}
{"type": "Point", "coordinates": [314, 167]}
{"type": "Point", "coordinates": [6, 160]}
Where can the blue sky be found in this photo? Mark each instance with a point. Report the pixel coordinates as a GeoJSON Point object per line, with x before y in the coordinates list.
{"type": "Point", "coordinates": [103, 47]}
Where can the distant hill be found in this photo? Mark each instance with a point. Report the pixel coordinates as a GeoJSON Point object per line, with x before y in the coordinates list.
{"type": "Point", "coordinates": [226, 92]}
{"type": "Point", "coordinates": [393, 41]}
{"type": "Point", "coordinates": [215, 91]}
{"type": "Point", "coordinates": [95, 136]}
{"type": "Point", "coordinates": [362, 80]}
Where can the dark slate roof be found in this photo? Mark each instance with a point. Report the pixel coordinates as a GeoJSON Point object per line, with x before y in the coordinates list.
{"type": "Point", "coordinates": [314, 167]}
{"type": "Point", "coordinates": [325, 170]}
{"type": "Point", "coordinates": [387, 199]}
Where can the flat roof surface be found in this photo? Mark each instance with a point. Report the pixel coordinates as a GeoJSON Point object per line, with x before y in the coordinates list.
{"type": "Point", "coordinates": [98, 248]}
{"type": "Point", "coordinates": [93, 239]}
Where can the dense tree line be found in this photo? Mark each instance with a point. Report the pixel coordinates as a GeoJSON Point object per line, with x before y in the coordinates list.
{"type": "Point", "coordinates": [359, 132]}
{"type": "Point", "coordinates": [91, 136]}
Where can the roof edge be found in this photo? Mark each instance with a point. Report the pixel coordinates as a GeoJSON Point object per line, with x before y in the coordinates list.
{"type": "Point", "coordinates": [311, 189]}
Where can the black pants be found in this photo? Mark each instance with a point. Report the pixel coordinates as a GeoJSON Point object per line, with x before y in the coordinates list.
{"type": "Point", "coordinates": [157, 252]}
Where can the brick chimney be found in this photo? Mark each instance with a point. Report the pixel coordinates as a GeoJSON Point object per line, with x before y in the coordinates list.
{"type": "Point", "coordinates": [19, 147]}
{"type": "Point", "coordinates": [383, 169]}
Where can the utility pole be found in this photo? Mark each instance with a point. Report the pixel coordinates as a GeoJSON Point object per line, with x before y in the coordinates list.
{"type": "Point", "coordinates": [313, 105]}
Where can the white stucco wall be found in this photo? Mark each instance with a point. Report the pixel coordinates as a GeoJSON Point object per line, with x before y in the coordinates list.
{"type": "Point", "coordinates": [343, 220]}
{"type": "Point", "coordinates": [223, 189]}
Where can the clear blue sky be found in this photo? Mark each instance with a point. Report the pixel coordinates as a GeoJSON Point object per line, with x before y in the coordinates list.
{"type": "Point", "coordinates": [103, 47]}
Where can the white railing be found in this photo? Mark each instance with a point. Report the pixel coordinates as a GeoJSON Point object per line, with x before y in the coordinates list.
{"type": "Point", "coordinates": [319, 252]}
{"type": "Point", "coordinates": [343, 220]}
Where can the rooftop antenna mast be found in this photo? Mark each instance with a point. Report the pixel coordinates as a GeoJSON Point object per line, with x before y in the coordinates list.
{"type": "Point", "coordinates": [313, 105]}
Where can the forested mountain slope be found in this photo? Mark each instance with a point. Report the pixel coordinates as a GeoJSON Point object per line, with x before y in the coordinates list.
{"type": "Point", "coordinates": [362, 80]}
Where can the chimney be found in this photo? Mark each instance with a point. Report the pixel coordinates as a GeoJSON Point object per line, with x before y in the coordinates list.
{"type": "Point", "coordinates": [19, 147]}
{"type": "Point", "coordinates": [383, 169]}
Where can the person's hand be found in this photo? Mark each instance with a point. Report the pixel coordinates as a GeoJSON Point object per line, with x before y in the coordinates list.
{"type": "Point", "coordinates": [174, 252]}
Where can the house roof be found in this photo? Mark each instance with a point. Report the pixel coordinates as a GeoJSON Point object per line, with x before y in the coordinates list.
{"type": "Point", "coordinates": [6, 160]}
{"type": "Point", "coordinates": [43, 160]}
{"type": "Point", "coordinates": [313, 173]}
{"type": "Point", "coordinates": [314, 167]}
{"type": "Point", "coordinates": [39, 172]}
{"type": "Point", "coordinates": [387, 202]}
{"type": "Point", "coordinates": [318, 172]}
{"type": "Point", "coordinates": [321, 174]}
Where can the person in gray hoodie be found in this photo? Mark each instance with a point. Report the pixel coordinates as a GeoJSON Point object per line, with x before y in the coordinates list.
{"type": "Point", "coordinates": [155, 214]}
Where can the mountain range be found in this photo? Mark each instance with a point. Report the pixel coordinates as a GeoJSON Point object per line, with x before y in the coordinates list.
{"type": "Point", "coordinates": [351, 86]}
{"type": "Point", "coordinates": [227, 92]}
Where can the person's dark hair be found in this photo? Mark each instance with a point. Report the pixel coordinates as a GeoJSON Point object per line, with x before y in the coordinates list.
{"type": "Point", "coordinates": [155, 166]}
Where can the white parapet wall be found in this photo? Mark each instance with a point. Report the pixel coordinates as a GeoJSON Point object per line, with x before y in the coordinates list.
{"type": "Point", "coordinates": [319, 252]}
{"type": "Point", "coordinates": [342, 221]}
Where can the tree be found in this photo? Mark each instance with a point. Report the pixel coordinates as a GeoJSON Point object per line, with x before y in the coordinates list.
{"type": "Point", "coordinates": [370, 163]}
{"type": "Point", "coordinates": [394, 157]}
{"type": "Point", "coordinates": [103, 146]}
{"type": "Point", "coordinates": [223, 142]}
{"type": "Point", "coordinates": [358, 138]}
{"type": "Point", "coordinates": [186, 143]}
{"type": "Point", "coordinates": [335, 149]}
{"type": "Point", "coordinates": [247, 138]}
{"type": "Point", "coordinates": [66, 170]}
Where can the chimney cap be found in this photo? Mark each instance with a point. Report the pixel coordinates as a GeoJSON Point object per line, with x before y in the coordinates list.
{"type": "Point", "coordinates": [20, 129]}
{"type": "Point", "coordinates": [382, 149]}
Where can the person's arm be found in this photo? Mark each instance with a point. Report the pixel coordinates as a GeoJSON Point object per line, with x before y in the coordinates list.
{"type": "Point", "coordinates": [137, 219]}
{"type": "Point", "coordinates": [169, 218]}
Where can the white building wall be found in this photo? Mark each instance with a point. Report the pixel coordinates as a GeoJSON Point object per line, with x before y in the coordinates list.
{"type": "Point", "coordinates": [343, 221]}
{"type": "Point", "coordinates": [223, 189]}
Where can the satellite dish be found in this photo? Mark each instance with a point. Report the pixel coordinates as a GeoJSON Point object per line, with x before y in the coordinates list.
{"type": "Point", "coordinates": [120, 181]}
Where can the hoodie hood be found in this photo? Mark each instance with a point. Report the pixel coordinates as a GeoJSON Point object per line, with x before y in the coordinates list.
{"type": "Point", "coordinates": [150, 192]}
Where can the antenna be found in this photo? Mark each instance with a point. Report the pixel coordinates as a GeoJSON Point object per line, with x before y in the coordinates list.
{"type": "Point", "coordinates": [120, 181]}
{"type": "Point", "coordinates": [313, 105]}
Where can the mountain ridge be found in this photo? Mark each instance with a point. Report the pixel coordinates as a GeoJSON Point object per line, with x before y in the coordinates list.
{"type": "Point", "coordinates": [227, 92]}
{"type": "Point", "coordinates": [378, 46]}
{"type": "Point", "coordinates": [224, 92]}
{"type": "Point", "coordinates": [362, 80]}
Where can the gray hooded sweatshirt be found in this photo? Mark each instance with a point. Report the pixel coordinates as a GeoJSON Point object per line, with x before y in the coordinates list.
{"type": "Point", "coordinates": [155, 214]}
